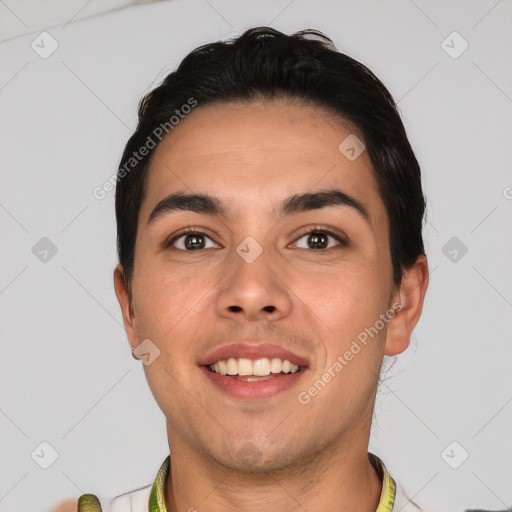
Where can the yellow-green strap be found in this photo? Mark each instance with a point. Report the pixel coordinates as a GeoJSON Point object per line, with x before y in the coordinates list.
{"type": "Point", "coordinates": [388, 493]}
{"type": "Point", "coordinates": [89, 503]}
{"type": "Point", "coordinates": [157, 497]}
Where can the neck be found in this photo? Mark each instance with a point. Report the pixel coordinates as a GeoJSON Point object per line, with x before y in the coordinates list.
{"type": "Point", "coordinates": [336, 478]}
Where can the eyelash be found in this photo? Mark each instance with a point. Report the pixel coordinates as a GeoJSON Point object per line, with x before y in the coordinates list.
{"type": "Point", "coordinates": [316, 229]}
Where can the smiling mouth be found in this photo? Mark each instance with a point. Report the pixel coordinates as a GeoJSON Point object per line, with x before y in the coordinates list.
{"type": "Point", "coordinates": [253, 370]}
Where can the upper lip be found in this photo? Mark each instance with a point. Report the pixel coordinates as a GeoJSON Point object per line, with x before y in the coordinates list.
{"type": "Point", "coordinates": [252, 351]}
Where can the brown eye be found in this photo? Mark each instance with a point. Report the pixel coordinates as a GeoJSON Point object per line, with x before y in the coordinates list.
{"type": "Point", "coordinates": [319, 239]}
{"type": "Point", "coordinates": [191, 241]}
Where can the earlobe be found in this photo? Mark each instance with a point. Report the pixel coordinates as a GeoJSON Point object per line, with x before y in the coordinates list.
{"type": "Point", "coordinates": [124, 299]}
{"type": "Point", "coordinates": [410, 295]}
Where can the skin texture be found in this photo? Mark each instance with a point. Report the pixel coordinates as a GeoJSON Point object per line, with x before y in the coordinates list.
{"type": "Point", "coordinates": [65, 506]}
{"type": "Point", "coordinates": [86, 503]}
{"type": "Point", "coordinates": [273, 454]}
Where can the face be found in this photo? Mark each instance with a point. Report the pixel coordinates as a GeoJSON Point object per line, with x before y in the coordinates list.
{"type": "Point", "coordinates": [260, 275]}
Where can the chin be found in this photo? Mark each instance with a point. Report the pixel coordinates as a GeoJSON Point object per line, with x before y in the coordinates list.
{"type": "Point", "coordinates": [252, 458]}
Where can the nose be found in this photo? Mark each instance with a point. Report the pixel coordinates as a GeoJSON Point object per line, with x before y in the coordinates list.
{"type": "Point", "coordinates": [254, 291]}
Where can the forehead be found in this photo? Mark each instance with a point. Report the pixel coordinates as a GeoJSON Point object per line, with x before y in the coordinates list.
{"type": "Point", "coordinates": [254, 154]}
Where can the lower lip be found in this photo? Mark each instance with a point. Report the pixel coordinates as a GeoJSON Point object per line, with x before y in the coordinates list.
{"type": "Point", "coordinates": [255, 390]}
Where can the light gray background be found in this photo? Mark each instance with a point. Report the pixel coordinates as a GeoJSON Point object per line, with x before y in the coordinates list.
{"type": "Point", "coordinates": [66, 373]}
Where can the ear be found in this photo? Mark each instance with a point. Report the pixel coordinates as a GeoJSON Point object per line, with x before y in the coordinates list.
{"type": "Point", "coordinates": [124, 299]}
{"type": "Point", "coordinates": [410, 294]}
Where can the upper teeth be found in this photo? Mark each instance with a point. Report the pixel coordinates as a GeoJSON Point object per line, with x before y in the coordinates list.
{"type": "Point", "coordinates": [259, 367]}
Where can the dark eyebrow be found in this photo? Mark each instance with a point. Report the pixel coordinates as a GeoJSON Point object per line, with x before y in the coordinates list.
{"type": "Point", "coordinates": [320, 199]}
{"type": "Point", "coordinates": [200, 203]}
{"type": "Point", "coordinates": [204, 203]}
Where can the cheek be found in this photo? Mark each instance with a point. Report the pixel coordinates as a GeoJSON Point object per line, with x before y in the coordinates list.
{"type": "Point", "coordinates": [343, 304]}
{"type": "Point", "coordinates": [169, 301]}
{"type": "Point", "coordinates": [349, 291]}
{"type": "Point", "coordinates": [165, 303]}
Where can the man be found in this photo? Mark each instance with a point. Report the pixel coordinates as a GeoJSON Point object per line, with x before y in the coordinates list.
{"type": "Point", "coordinates": [269, 212]}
